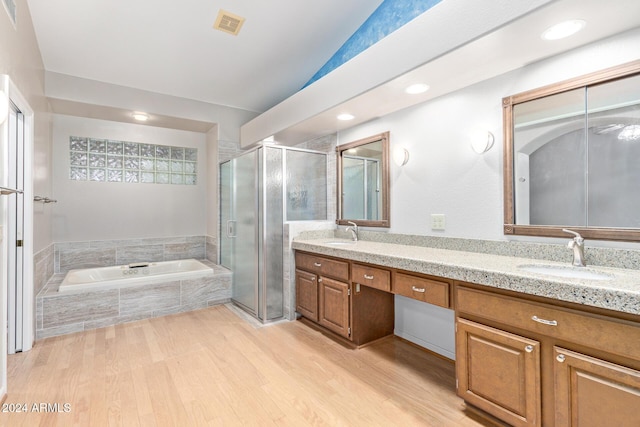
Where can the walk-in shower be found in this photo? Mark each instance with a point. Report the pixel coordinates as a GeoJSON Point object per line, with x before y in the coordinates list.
{"type": "Point", "coordinates": [259, 191]}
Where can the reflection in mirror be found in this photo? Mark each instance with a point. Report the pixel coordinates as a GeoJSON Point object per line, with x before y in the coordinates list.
{"type": "Point", "coordinates": [361, 186]}
{"type": "Point", "coordinates": [571, 157]}
{"type": "Point", "coordinates": [363, 181]}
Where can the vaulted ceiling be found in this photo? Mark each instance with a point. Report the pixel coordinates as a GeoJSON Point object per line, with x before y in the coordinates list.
{"type": "Point", "coordinates": [170, 47]}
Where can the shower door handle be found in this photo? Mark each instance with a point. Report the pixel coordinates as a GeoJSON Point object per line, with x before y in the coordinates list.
{"type": "Point", "coordinates": [231, 228]}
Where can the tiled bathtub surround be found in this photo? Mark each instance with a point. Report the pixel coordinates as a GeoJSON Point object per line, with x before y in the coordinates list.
{"type": "Point", "coordinates": [58, 314]}
{"type": "Point", "coordinates": [43, 268]}
{"type": "Point", "coordinates": [212, 249]}
{"type": "Point", "coordinates": [107, 253]}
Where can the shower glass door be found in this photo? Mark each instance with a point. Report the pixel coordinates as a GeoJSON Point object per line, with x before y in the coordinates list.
{"type": "Point", "coordinates": [361, 181]}
{"type": "Point", "coordinates": [239, 227]}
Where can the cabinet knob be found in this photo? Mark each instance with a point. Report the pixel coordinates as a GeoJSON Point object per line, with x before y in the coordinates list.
{"type": "Point", "coordinates": [313, 279]}
{"type": "Point", "coordinates": [317, 264]}
{"type": "Point", "coordinates": [528, 348]}
{"type": "Point", "coordinates": [368, 277]}
{"type": "Point", "coordinates": [560, 358]}
{"type": "Point", "coordinates": [320, 280]}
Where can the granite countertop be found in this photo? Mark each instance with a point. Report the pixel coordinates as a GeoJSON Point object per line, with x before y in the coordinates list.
{"type": "Point", "coordinates": [620, 293]}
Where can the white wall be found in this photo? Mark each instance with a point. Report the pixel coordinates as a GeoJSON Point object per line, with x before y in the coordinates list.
{"type": "Point", "coordinates": [71, 88]}
{"type": "Point", "coordinates": [20, 59]}
{"type": "Point", "coordinates": [107, 211]}
{"type": "Point", "coordinates": [444, 176]}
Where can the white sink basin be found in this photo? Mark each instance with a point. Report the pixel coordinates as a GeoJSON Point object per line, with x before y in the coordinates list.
{"type": "Point", "coordinates": [342, 243]}
{"type": "Point", "coordinates": [567, 272]}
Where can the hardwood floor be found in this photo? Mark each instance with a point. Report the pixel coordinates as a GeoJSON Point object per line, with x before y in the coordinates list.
{"type": "Point", "coordinates": [209, 367]}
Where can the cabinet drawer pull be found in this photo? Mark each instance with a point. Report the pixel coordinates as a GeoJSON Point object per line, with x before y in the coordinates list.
{"type": "Point", "coordinates": [368, 277]}
{"type": "Point", "coordinates": [544, 321]}
{"type": "Point", "coordinates": [421, 290]}
{"type": "Point", "coordinates": [317, 264]}
{"type": "Point", "coordinates": [528, 348]}
{"type": "Point", "coordinates": [560, 358]}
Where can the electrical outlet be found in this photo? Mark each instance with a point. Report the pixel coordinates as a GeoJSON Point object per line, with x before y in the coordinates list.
{"type": "Point", "coordinates": [437, 221]}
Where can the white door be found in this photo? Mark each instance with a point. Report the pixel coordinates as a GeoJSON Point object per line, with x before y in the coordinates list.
{"type": "Point", "coordinates": [15, 232]}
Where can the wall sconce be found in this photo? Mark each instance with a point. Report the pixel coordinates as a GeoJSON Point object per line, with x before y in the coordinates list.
{"type": "Point", "coordinates": [400, 156]}
{"type": "Point", "coordinates": [482, 142]}
{"type": "Point", "coordinates": [4, 107]}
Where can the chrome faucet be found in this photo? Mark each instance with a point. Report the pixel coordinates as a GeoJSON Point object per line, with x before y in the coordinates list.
{"type": "Point", "coordinates": [354, 230]}
{"type": "Point", "coordinates": [577, 244]}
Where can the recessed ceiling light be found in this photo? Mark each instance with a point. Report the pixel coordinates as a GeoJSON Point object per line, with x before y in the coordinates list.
{"type": "Point", "coordinates": [563, 29]}
{"type": "Point", "coordinates": [345, 117]}
{"type": "Point", "coordinates": [142, 117]}
{"type": "Point", "coordinates": [417, 88]}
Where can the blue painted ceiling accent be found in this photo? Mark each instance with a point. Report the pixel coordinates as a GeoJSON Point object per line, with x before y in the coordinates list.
{"type": "Point", "coordinates": [388, 17]}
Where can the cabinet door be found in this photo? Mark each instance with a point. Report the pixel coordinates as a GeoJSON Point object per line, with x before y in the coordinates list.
{"type": "Point", "coordinates": [499, 372]}
{"type": "Point", "coordinates": [591, 392]}
{"type": "Point", "coordinates": [334, 305]}
{"type": "Point", "coordinates": [307, 295]}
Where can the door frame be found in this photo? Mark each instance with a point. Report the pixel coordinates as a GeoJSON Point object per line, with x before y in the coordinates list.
{"type": "Point", "coordinates": [15, 96]}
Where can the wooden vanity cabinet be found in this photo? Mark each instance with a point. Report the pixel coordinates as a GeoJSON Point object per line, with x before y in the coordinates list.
{"type": "Point", "coordinates": [311, 272]}
{"type": "Point", "coordinates": [307, 294]}
{"type": "Point", "coordinates": [592, 392]}
{"type": "Point", "coordinates": [423, 288]}
{"type": "Point", "coordinates": [334, 306]}
{"type": "Point", "coordinates": [530, 363]}
{"type": "Point", "coordinates": [327, 295]}
{"type": "Point", "coordinates": [499, 372]}
{"type": "Point", "coordinates": [373, 277]}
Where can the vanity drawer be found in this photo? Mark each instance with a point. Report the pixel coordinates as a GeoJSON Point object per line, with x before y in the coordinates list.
{"type": "Point", "coordinates": [372, 277]}
{"type": "Point", "coordinates": [616, 336]}
{"type": "Point", "coordinates": [422, 289]}
{"type": "Point", "coordinates": [323, 266]}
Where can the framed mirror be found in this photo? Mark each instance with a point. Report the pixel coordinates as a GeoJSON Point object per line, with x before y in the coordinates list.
{"type": "Point", "coordinates": [572, 157]}
{"type": "Point", "coordinates": [363, 181]}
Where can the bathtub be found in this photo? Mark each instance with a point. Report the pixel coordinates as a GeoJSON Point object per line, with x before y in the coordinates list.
{"type": "Point", "coordinates": [133, 275]}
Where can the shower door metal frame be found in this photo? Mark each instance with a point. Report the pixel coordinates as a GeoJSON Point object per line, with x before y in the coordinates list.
{"type": "Point", "coordinates": [233, 199]}
{"type": "Point", "coordinates": [365, 183]}
{"type": "Point", "coordinates": [261, 252]}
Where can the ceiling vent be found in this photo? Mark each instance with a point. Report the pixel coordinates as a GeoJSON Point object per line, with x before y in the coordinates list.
{"type": "Point", "coordinates": [228, 22]}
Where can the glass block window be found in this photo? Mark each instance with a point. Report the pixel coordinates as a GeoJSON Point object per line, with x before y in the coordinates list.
{"type": "Point", "coordinates": [105, 160]}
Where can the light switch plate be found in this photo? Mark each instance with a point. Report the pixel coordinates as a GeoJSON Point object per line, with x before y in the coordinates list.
{"type": "Point", "coordinates": [437, 221]}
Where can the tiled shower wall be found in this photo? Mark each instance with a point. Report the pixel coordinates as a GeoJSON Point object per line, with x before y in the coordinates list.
{"type": "Point", "coordinates": [105, 253]}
